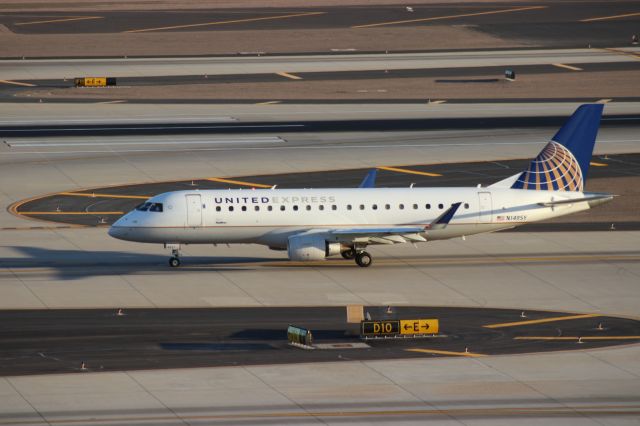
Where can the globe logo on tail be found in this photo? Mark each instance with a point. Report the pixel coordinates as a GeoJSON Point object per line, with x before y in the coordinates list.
{"type": "Point", "coordinates": [554, 169]}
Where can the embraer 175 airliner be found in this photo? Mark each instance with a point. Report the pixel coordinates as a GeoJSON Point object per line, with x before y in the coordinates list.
{"type": "Point", "coordinates": [313, 224]}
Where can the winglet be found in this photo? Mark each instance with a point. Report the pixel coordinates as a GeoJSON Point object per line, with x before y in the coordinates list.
{"type": "Point", "coordinates": [369, 180]}
{"type": "Point", "coordinates": [443, 220]}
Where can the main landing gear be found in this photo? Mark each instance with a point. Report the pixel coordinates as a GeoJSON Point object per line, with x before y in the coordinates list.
{"type": "Point", "coordinates": [363, 259]}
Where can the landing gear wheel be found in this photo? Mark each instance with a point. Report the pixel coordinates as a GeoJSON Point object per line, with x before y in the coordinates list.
{"type": "Point", "coordinates": [364, 259]}
{"type": "Point", "coordinates": [349, 254]}
{"type": "Point", "coordinates": [174, 262]}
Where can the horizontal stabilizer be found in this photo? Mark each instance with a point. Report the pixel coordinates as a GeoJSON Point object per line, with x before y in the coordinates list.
{"type": "Point", "coordinates": [594, 197]}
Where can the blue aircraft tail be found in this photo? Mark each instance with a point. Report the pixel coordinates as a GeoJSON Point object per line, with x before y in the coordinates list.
{"type": "Point", "coordinates": [564, 163]}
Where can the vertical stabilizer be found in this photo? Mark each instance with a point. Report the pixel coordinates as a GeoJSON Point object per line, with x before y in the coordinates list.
{"type": "Point", "coordinates": [563, 164]}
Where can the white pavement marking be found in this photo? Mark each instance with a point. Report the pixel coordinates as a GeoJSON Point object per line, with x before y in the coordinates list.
{"type": "Point", "coordinates": [257, 140]}
{"type": "Point", "coordinates": [303, 147]}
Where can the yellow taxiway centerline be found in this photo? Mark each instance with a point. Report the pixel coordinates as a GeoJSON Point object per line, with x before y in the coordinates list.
{"type": "Point", "coordinates": [77, 18]}
{"type": "Point", "coordinates": [17, 83]}
{"type": "Point", "coordinates": [411, 172]}
{"type": "Point", "coordinates": [464, 15]}
{"type": "Point", "coordinates": [269, 103]}
{"type": "Point", "coordinates": [235, 21]}
{"type": "Point", "coordinates": [67, 213]}
{"type": "Point", "coordinates": [577, 338]}
{"type": "Point", "coordinates": [541, 321]}
{"type": "Point", "coordinates": [92, 195]}
{"type": "Point", "coordinates": [239, 182]}
{"type": "Point", "coordinates": [439, 352]}
{"type": "Point", "coordinates": [604, 18]}
{"type": "Point", "coordinates": [568, 67]}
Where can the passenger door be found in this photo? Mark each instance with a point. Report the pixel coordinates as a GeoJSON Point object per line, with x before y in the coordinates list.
{"type": "Point", "coordinates": [194, 210]}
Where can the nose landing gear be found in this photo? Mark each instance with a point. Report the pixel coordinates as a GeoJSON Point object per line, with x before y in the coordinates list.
{"type": "Point", "coordinates": [174, 260]}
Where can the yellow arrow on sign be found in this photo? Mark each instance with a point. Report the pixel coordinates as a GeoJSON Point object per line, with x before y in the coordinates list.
{"type": "Point", "coordinates": [419, 326]}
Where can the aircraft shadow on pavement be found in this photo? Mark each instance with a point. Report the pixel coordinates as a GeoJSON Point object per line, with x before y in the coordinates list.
{"type": "Point", "coordinates": [75, 264]}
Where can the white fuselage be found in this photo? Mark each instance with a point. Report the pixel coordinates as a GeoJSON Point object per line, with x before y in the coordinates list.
{"type": "Point", "coordinates": [270, 217]}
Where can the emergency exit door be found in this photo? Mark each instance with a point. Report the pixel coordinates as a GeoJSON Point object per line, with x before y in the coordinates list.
{"type": "Point", "coordinates": [194, 210]}
{"type": "Point", "coordinates": [485, 207]}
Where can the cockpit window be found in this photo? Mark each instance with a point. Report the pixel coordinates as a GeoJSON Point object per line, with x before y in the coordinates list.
{"type": "Point", "coordinates": [155, 207]}
{"type": "Point", "coordinates": [144, 207]}
{"type": "Point", "coordinates": [152, 207]}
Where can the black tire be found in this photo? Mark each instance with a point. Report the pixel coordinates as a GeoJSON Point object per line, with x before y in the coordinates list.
{"type": "Point", "coordinates": [174, 262]}
{"type": "Point", "coordinates": [364, 259]}
{"type": "Point", "coordinates": [349, 254]}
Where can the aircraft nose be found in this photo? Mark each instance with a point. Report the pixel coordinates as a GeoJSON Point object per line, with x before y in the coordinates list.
{"type": "Point", "coordinates": [119, 229]}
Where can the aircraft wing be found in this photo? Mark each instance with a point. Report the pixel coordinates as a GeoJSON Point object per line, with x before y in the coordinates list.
{"type": "Point", "coordinates": [392, 235]}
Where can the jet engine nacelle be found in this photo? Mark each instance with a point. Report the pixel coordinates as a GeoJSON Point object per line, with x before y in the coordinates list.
{"type": "Point", "coordinates": [311, 247]}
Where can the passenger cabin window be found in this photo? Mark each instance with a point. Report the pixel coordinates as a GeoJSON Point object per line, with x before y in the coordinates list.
{"type": "Point", "coordinates": [295, 208]}
{"type": "Point", "coordinates": [334, 207]}
{"type": "Point", "coordinates": [466, 205]}
{"type": "Point", "coordinates": [218, 208]}
{"type": "Point", "coordinates": [269, 208]}
{"type": "Point", "coordinates": [230, 208]}
{"type": "Point", "coordinates": [308, 207]}
{"type": "Point", "coordinates": [348, 206]}
{"type": "Point", "coordinates": [321, 206]}
{"type": "Point", "coordinates": [244, 208]}
{"type": "Point", "coordinates": [440, 206]}
{"type": "Point", "coordinates": [415, 207]}
{"type": "Point", "coordinates": [428, 206]}
{"type": "Point", "coordinates": [361, 206]}
{"type": "Point", "coordinates": [387, 206]}
{"type": "Point", "coordinates": [401, 206]}
{"type": "Point", "coordinates": [257, 208]}
{"type": "Point", "coordinates": [374, 206]}
{"type": "Point", "coordinates": [282, 208]}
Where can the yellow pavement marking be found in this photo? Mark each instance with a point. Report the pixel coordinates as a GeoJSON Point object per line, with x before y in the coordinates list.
{"type": "Point", "coordinates": [491, 12]}
{"type": "Point", "coordinates": [77, 18]}
{"type": "Point", "coordinates": [438, 352]}
{"type": "Point", "coordinates": [269, 103]}
{"type": "Point", "coordinates": [411, 172]}
{"type": "Point", "coordinates": [66, 213]}
{"type": "Point", "coordinates": [17, 83]}
{"type": "Point", "coordinates": [119, 101]}
{"type": "Point", "coordinates": [291, 76]}
{"type": "Point", "coordinates": [569, 67]}
{"type": "Point", "coordinates": [622, 52]}
{"type": "Point", "coordinates": [239, 182]}
{"type": "Point", "coordinates": [92, 195]}
{"type": "Point", "coordinates": [603, 101]}
{"type": "Point", "coordinates": [577, 337]}
{"type": "Point", "coordinates": [235, 21]}
{"type": "Point", "coordinates": [593, 163]}
{"type": "Point", "coordinates": [541, 321]}
{"type": "Point", "coordinates": [437, 102]}
{"type": "Point", "coordinates": [603, 18]}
